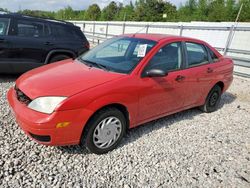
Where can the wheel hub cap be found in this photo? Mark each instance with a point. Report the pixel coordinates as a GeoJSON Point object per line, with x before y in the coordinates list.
{"type": "Point", "coordinates": [214, 99]}
{"type": "Point", "coordinates": [107, 132]}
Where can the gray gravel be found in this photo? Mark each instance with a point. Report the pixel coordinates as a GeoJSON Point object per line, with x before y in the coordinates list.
{"type": "Point", "coordinates": [188, 149]}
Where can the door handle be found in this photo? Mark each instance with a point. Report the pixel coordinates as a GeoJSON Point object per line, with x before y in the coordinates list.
{"type": "Point", "coordinates": [2, 40]}
{"type": "Point", "coordinates": [180, 78]}
{"type": "Point", "coordinates": [48, 43]}
{"type": "Point", "coordinates": [210, 70]}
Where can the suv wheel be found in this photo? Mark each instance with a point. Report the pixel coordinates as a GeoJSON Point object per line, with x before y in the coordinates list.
{"type": "Point", "coordinates": [213, 100]}
{"type": "Point", "coordinates": [59, 57]}
{"type": "Point", "coordinates": [104, 131]}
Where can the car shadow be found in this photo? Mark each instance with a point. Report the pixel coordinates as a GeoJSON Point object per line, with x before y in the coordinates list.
{"type": "Point", "coordinates": [5, 78]}
{"type": "Point", "coordinates": [73, 149]}
{"type": "Point", "coordinates": [165, 122]}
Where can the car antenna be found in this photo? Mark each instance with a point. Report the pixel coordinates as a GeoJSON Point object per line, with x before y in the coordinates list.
{"type": "Point", "coordinates": [148, 25]}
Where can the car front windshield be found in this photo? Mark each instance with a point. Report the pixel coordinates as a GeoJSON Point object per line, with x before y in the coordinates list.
{"type": "Point", "coordinates": [120, 54]}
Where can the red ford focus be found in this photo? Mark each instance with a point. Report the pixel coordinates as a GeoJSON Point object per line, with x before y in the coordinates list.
{"type": "Point", "coordinates": [122, 83]}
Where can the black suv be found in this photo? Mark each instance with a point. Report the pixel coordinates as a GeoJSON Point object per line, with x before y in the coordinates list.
{"type": "Point", "coordinates": [29, 42]}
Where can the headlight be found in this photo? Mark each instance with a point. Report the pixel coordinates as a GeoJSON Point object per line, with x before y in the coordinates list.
{"type": "Point", "coordinates": [46, 104]}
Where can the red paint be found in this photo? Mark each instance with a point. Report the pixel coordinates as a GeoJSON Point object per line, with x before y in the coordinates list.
{"type": "Point", "coordinates": [89, 90]}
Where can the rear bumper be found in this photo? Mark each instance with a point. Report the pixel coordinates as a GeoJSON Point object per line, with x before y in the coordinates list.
{"type": "Point", "coordinates": [42, 127]}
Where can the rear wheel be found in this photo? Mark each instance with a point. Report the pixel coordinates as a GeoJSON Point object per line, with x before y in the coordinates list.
{"type": "Point", "coordinates": [213, 100]}
{"type": "Point", "coordinates": [59, 57]}
{"type": "Point", "coordinates": [104, 131]}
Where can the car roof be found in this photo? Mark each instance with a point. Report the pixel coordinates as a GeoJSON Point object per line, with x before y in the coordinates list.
{"type": "Point", "coordinates": [158, 37]}
{"type": "Point", "coordinates": [21, 16]}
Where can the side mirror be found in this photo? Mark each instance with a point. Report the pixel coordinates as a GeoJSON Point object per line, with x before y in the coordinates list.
{"type": "Point", "coordinates": [155, 73]}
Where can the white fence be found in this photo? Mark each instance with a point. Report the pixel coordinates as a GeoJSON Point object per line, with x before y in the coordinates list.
{"type": "Point", "coordinates": [229, 39]}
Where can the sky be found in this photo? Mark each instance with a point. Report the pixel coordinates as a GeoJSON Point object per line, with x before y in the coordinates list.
{"type": "Point", "coordinates": [53, 5]}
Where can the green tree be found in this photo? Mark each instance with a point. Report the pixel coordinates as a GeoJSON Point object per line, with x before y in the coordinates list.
{"type": "Point", "coordinates": [93, 13]}
{"type": "Point", "coordinates": [217, 11]}
{"type": "Point", "coordinates": [201, 13]}
{"type": "Point", "coordinates": [126, 13]}
{"type": "Point", "coordinates": [110, 12]}
{"type": "Point", "coordinates": [171, 11]}
{"type": "Point", "coordinates": [152, 10]}
{"type": "Point", "coordinates": [231, 10]}
{"type": "Point", "coordinates": [245, 13]}
{"type": "Point", "coordinates": [66, 14]}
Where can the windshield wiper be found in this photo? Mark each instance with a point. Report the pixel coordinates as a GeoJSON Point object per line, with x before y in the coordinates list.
{"type": "Point", "coordinates": [91, 63]}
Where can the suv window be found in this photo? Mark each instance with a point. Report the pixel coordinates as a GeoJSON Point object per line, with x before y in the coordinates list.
{"type": "Point", "coordinates": [30, 29]}
{"type": "Point", "coordinates": [65, 32]}
{"type": "Point", "coordinates": [197, 54]}
{"type": "Point", "coordinates": [4, 25]}
{"type": "Point", "coordinates": [168, 58]}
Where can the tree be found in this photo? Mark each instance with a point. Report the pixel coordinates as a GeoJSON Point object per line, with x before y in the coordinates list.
{"type": "Point", "coordinates": [201, 13]}
{"type": "Point", "coordinates": [217, 11]}
{"type": "Point", "coordinates": [93, 13]}
{"type": "Point", "coordinates": [152, 10]}
{"type": "Point", "coordinates": [110, 12]}
{"type": "Point", "coordinates": [171, 11]}
{"type": "Point", "coordinates": [245, 13]}
{"type": "Point", "coordinates": [231, 11]}
{"type": "Point", "coordinates": [66, 14]}
{"type": "Point", "coordinates": [126, 13]}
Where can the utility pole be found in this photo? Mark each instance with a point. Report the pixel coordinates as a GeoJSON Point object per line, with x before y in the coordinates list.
{"type": "Point", "coordinates": [231, 36]}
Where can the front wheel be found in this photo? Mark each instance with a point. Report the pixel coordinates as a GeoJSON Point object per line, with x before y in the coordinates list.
{"type": "Point", "coordinates": [104, 131]}
{"type": "Point", "coordinates": [213, 100]}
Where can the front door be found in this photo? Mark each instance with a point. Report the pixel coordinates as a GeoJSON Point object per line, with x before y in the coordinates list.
{"type": "Point", "coordinates": [164, 95]}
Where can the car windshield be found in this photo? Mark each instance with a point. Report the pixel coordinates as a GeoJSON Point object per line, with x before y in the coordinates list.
{"type": "Point", "coordinates": [121, 54]}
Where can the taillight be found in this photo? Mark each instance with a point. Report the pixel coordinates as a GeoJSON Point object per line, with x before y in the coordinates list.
{"type": "Point", "coordinates": [87, 45]}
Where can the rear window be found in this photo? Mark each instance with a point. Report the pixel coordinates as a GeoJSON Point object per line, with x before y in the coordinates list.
{"type": "Point", "coordinates": [61, 31]}
{"type": "Point", "coordinates": [4, 25]}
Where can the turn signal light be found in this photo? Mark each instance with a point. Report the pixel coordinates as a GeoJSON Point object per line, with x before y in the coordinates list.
{"type": "Point", "coordinates": [62, 124]}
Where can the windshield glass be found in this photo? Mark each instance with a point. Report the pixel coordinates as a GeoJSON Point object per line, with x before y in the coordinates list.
{"type": "Point", "coordinates": [120, 54]}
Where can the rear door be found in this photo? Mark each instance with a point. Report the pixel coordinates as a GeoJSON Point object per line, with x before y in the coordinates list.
{"type": "Point", "coordinates": [198, 73]}
{"type": "Point", "coordinates": [29, 44]}
{"type": "Point", "coordinates": [5, 24]}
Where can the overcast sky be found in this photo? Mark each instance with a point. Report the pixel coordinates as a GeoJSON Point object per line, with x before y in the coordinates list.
{"type": "Point", "coordinates": [15, 5]}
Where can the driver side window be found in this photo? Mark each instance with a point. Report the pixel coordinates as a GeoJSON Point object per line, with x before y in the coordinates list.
{"type": "Point", "coordinates": [168, 58]}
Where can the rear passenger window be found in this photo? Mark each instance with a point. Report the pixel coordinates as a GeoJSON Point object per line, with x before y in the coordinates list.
{"type": "Point", "coordinates": [212, 55]}
{"type": "Point", "coordinates": [30, 29]}
{"type": "Point", "coordinates": [65, 32]}
{"type": "Point", "coordinates": [4, 25]}
{"type": "Point", "coordinates": [197, 54]}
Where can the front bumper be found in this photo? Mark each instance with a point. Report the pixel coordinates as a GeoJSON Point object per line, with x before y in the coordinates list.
{"type": "Point", "coordinates": [42, 127]}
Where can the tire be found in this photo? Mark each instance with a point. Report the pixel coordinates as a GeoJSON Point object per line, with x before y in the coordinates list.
{"type": "Point", "coordinates": [59, 57]}
{"type": "Point", "coordinates": [213, 100]}
{"type": "Point", "coordinates": [99, 131]}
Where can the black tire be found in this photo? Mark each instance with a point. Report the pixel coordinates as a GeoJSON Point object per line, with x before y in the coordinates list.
{"type": "Point", "coordinates": [213, 100]}
{"type": "Point", "coordinates": [87, 139]}
{"type": "Point", "coordinates": [58, 57]}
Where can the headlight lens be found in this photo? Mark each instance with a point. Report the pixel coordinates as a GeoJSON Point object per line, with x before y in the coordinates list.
{"type": "Point", "coordinates": [46, 104]}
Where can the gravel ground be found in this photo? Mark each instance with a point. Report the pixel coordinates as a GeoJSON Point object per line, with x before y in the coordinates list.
{"type": "Point", "coordinates": [188, 149]}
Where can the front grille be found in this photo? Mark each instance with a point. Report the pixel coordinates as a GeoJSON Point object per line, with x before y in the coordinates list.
{"type": "Point", "coordinates": [22, 97]}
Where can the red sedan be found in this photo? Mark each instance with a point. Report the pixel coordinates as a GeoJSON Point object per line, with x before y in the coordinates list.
{"type": "Point", "coordinates": [122, 83]}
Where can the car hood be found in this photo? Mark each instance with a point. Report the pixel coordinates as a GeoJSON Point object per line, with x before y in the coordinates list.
{"type": "Point", "coordinates": [64, 78]}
